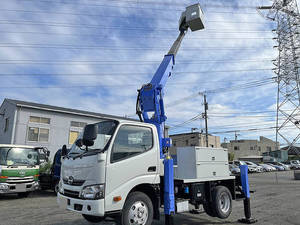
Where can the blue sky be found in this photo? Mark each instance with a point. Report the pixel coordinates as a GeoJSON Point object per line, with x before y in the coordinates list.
{"type": "Point", "coordinates": [94, 55]}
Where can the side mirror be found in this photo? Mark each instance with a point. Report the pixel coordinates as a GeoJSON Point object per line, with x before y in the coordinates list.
{"type": "Point", "coordinates": [48, 153]}
{"type": "Point", "coordinates": [89, 134]}
{"type": "Point", "coordinates": [64, 151]}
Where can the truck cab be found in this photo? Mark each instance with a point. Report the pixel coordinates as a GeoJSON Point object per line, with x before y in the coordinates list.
{"type": "Point", "coordinates": [124, 157]}
{"type": "Point", "coordinates": [19, 169]}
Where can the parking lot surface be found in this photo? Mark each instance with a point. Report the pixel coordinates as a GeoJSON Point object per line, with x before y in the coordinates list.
{"type": "Point", "coordinates": [276, 201]}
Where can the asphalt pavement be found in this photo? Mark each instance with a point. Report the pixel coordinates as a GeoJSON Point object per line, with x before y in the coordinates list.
{"type": "Point", "coordinates": [276, 201]}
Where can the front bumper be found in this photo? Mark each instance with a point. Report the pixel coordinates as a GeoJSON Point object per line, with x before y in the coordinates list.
{"type": "Point", "coordinates": [19, 187]}
{"type": "Point", "coordinates": [89, 207]}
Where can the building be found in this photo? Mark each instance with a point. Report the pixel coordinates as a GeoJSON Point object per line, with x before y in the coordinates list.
{"type": "Point", "coordinates": [28, 123]}
{"type": "Point", "coordinates": [193, 139]}
{"type": "Point", "coordinates": [279, 155]}
{"type": "Point", "coordinates": [244, 148]}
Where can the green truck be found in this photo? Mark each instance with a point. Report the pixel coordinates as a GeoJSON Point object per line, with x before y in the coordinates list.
{"type": "Point", "coordinates": [19, 168]}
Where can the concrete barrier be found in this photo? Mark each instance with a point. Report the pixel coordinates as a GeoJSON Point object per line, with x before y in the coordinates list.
{"type": "Point", "coordinates": [297, 174]}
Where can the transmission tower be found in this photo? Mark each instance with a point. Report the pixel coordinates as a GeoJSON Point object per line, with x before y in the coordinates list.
{"type": "Point", "coordinates": [286, 14]}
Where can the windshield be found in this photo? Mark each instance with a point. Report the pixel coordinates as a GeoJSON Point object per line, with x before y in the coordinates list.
{"type": "Point", "coordinates": [18, 156]}
{"type": "Point", "coordinates": [105, 132]}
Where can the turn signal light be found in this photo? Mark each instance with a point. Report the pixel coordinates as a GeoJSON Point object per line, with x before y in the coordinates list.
{"type": "Point", "coordinates": [117, 198]}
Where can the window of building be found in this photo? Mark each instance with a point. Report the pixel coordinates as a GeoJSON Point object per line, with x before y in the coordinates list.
{"type": "Point", "coordinates": [236, 148]}
{"type": "Point", "coordinates": [36, 119]}
{"type": "Point", "coordinates": [174, 143]}
{"type": "Point", "coordinates": [187, 142]}
{"type": "Point", "coordinates": [259, 148]}
{"type": "Point", "coordinates": [269, 149]}
{"type": "Point", "coordinates": [131, 141]}
{"type": "Point", "coordinates": [251, 148]}
{"type": "Point", "coordinates": [73, 135]}
{"type": "Point", "coordinates": [78, 124]}
{"type": "Point", "coordinates": [6, 125]}
{"type": "Point", "coordinates": [36, 134]}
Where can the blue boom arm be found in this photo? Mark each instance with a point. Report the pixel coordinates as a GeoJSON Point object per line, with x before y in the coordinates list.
{"type": "Point", "coordinates": [150, 104]}
{"type": "Point", "coordinates": [150, 108]}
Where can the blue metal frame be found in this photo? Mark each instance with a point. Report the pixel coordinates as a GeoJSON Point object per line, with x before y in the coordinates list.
{"type": "Point", "coordinates": [151, 102]}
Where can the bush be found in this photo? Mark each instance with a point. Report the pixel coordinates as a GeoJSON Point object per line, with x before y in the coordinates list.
{"type": "Point", "coordinates": [45, 167]}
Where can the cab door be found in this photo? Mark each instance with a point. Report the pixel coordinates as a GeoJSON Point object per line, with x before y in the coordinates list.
{"type": "Point", "coordinates": [133, 160]}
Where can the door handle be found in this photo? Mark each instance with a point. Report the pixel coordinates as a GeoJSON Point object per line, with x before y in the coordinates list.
{"type": "Point", "coordinates": [152, 169]}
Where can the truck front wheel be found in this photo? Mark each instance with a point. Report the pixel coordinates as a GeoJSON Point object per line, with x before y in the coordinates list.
{"type": "Point", "coordinates": [138, 209]}
{"type": "Point", "coordinates": [222, 202]}
{"type": "Point", "coordinates": [93, 219]}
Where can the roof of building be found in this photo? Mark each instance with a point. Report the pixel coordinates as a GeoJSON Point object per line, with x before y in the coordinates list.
{"type": "Point", "coordinates": [293, 150]}
{"type": "Point", "coordinates": [63, 110]}
{"type": "Point", "coordinates": [189, 134]}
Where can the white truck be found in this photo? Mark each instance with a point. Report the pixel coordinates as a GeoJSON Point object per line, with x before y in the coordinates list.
{"type": "Point", "coordinates": [122, 169]}
{"type": "Point", "coordinates": [121, 175]}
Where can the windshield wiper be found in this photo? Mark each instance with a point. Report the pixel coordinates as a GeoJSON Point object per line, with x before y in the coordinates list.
{"type": "Point", "coordinates": [12, 166]}
{"type": "Point", "coordinates": [95, 151]}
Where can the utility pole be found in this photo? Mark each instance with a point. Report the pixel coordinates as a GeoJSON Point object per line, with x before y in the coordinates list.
{"type": "Point", "coordinates": [236, 135]}
{"type": "Point", "coordinates": [205, 117]}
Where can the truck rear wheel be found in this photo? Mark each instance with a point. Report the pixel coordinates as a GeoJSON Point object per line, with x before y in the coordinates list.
{"type": "Point", "coordinates": [93, 219]}
{"type": "Point", "coordinates": [23, 194]}
{"type": "Point", "coordinates": [138, 209]}
{"type": "Point", "coordinates": [222, 202]}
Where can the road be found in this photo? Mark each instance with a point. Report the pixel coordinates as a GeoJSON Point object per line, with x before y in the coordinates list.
{"type": "Point", "coordinates": [276, 201]}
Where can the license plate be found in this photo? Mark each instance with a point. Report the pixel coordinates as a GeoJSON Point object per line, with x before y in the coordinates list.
{"type": "Point", "coordinates": [63, 203]}
{"type": "Point", "coordinates": [20, 187]}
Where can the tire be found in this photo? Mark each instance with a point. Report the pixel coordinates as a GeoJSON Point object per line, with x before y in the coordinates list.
{"type": "Point", "coordinates": [93, 219]}
{"type": "Point", "coordinates": [56, 187]}
{"type": "Point", "coordinates": [23, 194]}
{"type": "Point", "coordinates": [138, 209]}
{"type": "Point", "coordinates": [222, 202]}
{"type": "Point", "coordinates": [208, 209]}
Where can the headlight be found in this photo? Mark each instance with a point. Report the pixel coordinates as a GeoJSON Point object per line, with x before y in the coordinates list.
{"type": "Point", "coordinates": [4, 187]}
{"type": "Point", "coordinates": [60, 187]}
{"type": "Point", "coordinates": [93, 192]}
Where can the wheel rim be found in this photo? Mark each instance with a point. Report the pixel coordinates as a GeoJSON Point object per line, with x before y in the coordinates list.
{"type": "Point", "coordinates": [138, 213]}
{"type": "Point", "coordinates": [224, 202]}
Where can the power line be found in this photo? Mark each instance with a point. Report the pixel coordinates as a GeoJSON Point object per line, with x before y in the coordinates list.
{"type": "Point", "coordinates": [134, 74]}
{"type": "Point", "coordinates": [88, 14]}
{"type": "Point", "coordinates": [147, 2]}
{"type": "Point", "coordinates": [132, 36]}
{"type": "Point", "coordinates": [142, 8]}
{"type": "Point", "coordinates": [90, 26]}
{"type": "Point", "coordinates": [117, 48]}
{"type": "Point", "coordinates": [128, 62]}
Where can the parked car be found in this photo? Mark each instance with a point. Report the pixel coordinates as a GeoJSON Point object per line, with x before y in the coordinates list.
{"type": "Point", "coordinates": [295, 164]}
{"type": "Point", "coordinates": [234, 169]}
{"type": "Point", "coordinates": [286, 167]}
{"type": "Point", "coordinates": [251, 169]}
{"type": "Point", "coordinates": [279, 168]}
{"type": "Point", "coordinates": [257, 168]}
{"type": "Point", "coordinates": [267, 168]}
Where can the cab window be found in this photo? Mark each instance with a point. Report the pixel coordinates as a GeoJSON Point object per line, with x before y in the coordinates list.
{"type": "Point", "coordinates": [130, 141]}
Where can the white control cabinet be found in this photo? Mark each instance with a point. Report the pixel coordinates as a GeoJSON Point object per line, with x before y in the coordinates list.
{"type": "Point", "coordinates": [202, 163]}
